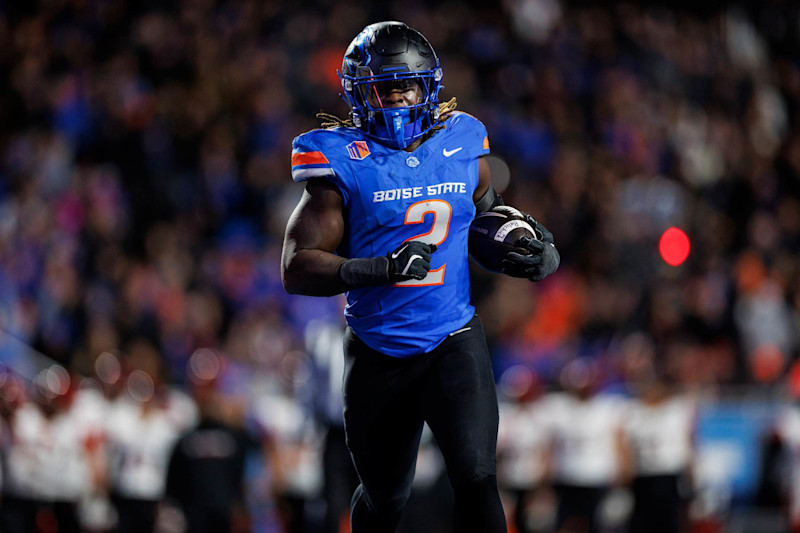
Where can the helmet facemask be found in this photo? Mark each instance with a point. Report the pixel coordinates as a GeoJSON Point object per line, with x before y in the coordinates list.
{"type": "Point", "coordinates": [364, 90]}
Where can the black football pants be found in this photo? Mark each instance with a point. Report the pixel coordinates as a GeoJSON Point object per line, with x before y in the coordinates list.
{"type": "Point", "coordinates": [387, 400]}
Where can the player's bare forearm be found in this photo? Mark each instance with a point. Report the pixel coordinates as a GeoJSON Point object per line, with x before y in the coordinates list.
{"type": "Point", "coordinates": [309, 265]}
{"type": "Point", "coordinates": [313, 273]}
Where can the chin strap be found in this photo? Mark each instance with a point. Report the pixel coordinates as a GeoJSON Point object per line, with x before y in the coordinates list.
{"type": "Point", "coordinates": [399, 118]}
{"type": "Point", "coordinates": [397, 128]}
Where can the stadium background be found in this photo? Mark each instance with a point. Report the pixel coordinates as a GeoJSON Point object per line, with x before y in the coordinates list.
{"type": "Point", "coordinates": [145, 186]}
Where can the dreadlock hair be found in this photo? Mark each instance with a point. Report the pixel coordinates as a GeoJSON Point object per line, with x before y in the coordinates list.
{"type": "Point", "coordinates": [332, 121]}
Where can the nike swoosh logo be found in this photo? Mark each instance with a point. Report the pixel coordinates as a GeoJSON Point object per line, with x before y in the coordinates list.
{"type": "Point", "coordinates": [411, 262]}
{"type": "Point", "coordinates": [396, 254]}
{"type": "Point", "coordinates": [448, 153]}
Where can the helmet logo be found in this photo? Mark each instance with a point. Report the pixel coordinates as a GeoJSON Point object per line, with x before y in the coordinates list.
{"type": "Point", "coordinates": [358, 150]}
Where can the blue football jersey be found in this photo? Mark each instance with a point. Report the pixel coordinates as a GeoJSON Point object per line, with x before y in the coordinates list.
{"type": "Point", "coordinates": [392, 196]}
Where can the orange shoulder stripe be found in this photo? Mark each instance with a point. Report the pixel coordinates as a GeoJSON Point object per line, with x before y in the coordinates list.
{"type": "Point", "coordinates": [309, 158]}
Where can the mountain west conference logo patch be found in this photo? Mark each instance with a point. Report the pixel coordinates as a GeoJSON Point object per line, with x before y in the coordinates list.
{"type": "Point", "coordinates": [358, 150]}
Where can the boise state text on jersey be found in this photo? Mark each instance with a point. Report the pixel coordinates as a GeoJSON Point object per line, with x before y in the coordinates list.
{"type": "Point", "coordinates": [392, 196]}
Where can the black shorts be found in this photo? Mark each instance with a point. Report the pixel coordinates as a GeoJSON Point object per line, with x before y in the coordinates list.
{"type": "Point", "coordinates": [578, 507]}
{"type": "Point", "coordinates": [387, 399]}
{"type": "Point", "coordinates": [657, 504]}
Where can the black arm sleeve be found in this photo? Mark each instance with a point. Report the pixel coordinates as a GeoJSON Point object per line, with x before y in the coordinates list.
{"type": "Point", "coordinates": [489, 200]}
{"type": "Point", "coordinates": [363, 272]}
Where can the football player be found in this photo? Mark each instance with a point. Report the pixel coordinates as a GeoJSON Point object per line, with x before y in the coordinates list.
{"type": "Point", "coordinates": [390, 194]}
{"type": "Point", "coordinates": [142, 428]}
{"type": "Point", "coordinates": [49, 457]}
{"type": "Point", "coordinates": [587, 447]}
{"type": "Point", "coordinates": [660, 429]}
{"type": "Point", "coordinates": [523, 446]}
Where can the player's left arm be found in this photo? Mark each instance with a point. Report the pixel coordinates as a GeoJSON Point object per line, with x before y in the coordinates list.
{"type": "Point", "coordinates": [485, 197]}
{"type": "Point", "coordinates": [543, 258]}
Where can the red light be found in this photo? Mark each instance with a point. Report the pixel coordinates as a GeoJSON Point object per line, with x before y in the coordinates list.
{"type": "Point", "coordinates": [674, 246]}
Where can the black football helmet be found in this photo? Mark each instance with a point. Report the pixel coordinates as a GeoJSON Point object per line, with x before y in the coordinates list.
{"type": "Point", "coordinates": [391, 53]}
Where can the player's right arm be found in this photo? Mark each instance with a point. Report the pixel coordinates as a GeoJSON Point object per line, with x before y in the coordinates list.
{"type": "Point", "coordinates": [313, 233]}
{"type": "Point", "coordinates": [309, 264]}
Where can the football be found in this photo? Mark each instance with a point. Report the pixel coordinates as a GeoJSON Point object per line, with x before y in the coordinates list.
{"type": "Point", "coordinates": [496, 232]}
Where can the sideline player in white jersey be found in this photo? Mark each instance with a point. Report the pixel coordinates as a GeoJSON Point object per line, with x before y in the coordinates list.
{"type": "Point", "coordinates": [787, 430]}
{"type": "Point", "coordinates": [143, 426]}
{"type": "Point", "coordinates": [588, 447]}
{"type": "Point", "coordinates": [660, 432]}
{"type": "Point", "coordinates": [48, 457]}
{"type": "Point", "coordinates": [523, 444]}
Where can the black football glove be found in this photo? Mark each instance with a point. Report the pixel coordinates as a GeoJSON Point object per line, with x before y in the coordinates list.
{"type": "Point", "coordinates": [543, 259]}
{"type": "Point", "coordinates": [411, 260]}
{"type": "Point", "coordinates": [541, 233]}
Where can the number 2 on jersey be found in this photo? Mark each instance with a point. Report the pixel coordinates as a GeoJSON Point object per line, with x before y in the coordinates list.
{"type": "Point", "coordinates": [415, 214]}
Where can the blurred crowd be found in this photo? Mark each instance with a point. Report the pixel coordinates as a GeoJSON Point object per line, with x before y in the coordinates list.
{"type": "Point", "coordinates": [145, 186]}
